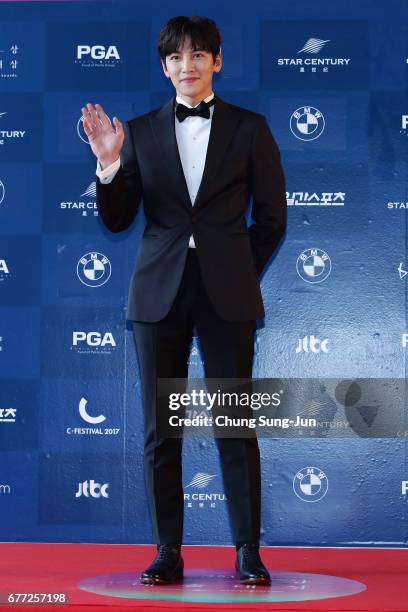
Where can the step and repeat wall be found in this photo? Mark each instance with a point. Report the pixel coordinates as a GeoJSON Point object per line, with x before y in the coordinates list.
{"type": "Point", "coordinates": [331, 78]}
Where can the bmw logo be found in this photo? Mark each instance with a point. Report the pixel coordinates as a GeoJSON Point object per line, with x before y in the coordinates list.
{"type": "Point", "coordinates": [310, 484]}
{"type": "Point", "coordinates": [313, 265]}
{"type": "Point", "coordinates": [94, 269]}
{"type": "Point", "coordinates": [81, 131]}
{"type": "Point", "coordinates": [307, 123]}
{"type": "Point", "coordinates": [2, 192]}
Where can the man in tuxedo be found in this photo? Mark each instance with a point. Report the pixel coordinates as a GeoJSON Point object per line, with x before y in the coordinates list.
{"type": "Point", "coordinates": [195, 162]}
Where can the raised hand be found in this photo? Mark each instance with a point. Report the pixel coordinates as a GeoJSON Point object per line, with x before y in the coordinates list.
{"type": "Point", "coordinates": [106, 140]}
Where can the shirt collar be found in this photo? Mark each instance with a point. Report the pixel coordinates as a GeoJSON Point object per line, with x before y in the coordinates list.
{"type": "Point", "coordinates": [181, 101]}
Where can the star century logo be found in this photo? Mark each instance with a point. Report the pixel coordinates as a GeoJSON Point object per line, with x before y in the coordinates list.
{"type": "Point", "coordinates": [313, 45]}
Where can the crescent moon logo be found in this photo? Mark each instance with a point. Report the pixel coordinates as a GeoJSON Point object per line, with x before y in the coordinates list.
{"type": "Point", "coordinates": [84, 414]}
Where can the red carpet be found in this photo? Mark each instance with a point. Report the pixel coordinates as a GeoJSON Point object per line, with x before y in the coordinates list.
{"type": "Point", "coordinates": [42, 568]}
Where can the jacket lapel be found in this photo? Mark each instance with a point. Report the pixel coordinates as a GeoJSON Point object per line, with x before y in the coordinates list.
{"type": "Point", "coordinates": [223, 125]}
{"type": "Point", "coordinates": [165, 136]}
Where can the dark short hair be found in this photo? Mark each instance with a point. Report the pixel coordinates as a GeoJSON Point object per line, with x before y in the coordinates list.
{"type": "Point", "coordinates": [202, 31]}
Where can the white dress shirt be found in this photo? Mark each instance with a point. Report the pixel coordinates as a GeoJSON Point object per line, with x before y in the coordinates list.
{"type": "Point", "coordinates": [192, 137]}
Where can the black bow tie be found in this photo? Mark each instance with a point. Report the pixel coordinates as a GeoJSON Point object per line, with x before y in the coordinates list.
{"type": "Point", "coordinates": [202, 110]}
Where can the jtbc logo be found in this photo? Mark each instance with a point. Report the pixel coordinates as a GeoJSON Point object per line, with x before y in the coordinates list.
{"type": "Point", "coordinates": [92, 489]}
{"type": "Point", "coordinates": [98, 52]}
{"type": "Point", "coordinates": [93, 338]}
{"type": "Point", "coordinates": [310, 343]}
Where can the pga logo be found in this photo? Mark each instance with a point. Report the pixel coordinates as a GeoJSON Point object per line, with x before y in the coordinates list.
{"type": "Point", "coordinates": [3, 267]}
{"type": "Point", "coordinates": [97, 52]}
{"type": "Point", "coordinates": [92, 339]}
{"type": "Point", "coordinates": [4, 270]}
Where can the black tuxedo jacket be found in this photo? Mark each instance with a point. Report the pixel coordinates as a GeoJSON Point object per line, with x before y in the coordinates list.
{"type": "Point", "coordinates": [242, 160]}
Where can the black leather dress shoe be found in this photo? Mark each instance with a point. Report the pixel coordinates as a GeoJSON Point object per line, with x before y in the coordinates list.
{"type": "Point", "coordinates": [167, 567]}
{"type": "Point", "coordinates": [249, 566]}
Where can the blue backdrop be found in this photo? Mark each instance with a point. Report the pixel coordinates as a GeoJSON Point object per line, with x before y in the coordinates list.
{"type": "Point", "coordinates": [331, 78]}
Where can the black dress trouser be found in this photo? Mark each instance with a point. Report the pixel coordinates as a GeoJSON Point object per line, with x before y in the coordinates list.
{"type": "Point", "coordinates": [163, 349]}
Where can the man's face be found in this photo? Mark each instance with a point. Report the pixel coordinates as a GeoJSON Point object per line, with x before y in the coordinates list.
{"type": "Point", "coordinates": [191, 72]}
